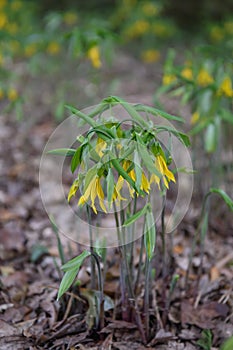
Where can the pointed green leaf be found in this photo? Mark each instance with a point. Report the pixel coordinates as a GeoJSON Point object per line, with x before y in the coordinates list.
{"type": "Point", "coordinates": [66, 282]}
{"type": "Point", "coordinates": [146, 157]}
{"type": "Point", "coordinates": [82, 115]}
{"type": "Point", "coordinates": [157, 112]}
{"type": "Point", "coordinates": [90, 174]}
{"type": "Point", "coordinates": [110, 186]}
{"type": "Point", "coordinates": [224, 196]}
{"type": "Point", "coordinates": [63, 151]}
{"type": "Point", "coordinates": [136, 216]}
{"type": "Point", "coordinates": [76, 262]}
{"type": "Point", "coordinates": [76, 159]}
{"type": "Point", "coordinates": [149, 234]}
{"type": "Point", "coordinates": [211, 138]}
{"type": "Point", "coordinates": [131, 110]}
{"type": "Point", "coordinates": [180, 135]}
{"type": "Point", "coordinates": [138, 169]}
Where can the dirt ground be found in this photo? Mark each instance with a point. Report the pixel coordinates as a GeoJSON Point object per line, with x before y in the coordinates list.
{"type": "Point", "coordinates": [30, 316]}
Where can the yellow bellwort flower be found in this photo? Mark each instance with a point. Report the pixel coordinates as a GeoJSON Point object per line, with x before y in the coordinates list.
{"type": "Point", "coordinates": [53, 48]}
{"type": "Point", "coordinates": [70, 18]}
{"type": "Point", "coordinates": [195, 117]}
{"type": "Point", "coordinates": [93, 190]}
{"type": "Point", "coordinates": [168, 79]}
{"type": "Point", "coordinates": [73, 189]}
{"type": "Point", "coordinates": [94, 56]}
{"type": "Point", "coordinates": [100, 147]}
{"type": "Point", "coordinates": [187, 73]}
{"type": "Point", "coordinates": [167, 175]}
{"type": "Point", "coordinates": [12, 94]}
{"type": "Point", "coordinates": [225, 88]}
{"type": "Point", "coordinates": [150, 56]}
{"type": "Point", "coordinates": [204, 78]}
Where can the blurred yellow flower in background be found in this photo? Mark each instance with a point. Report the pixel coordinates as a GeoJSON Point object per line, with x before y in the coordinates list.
{"type": "Point", "coordinates": [150, 56]}
{"type": "Point", "coordinates": [216, 33]}
{"type": "Point", "coordinates": [137, 29]}
{"type": "Point", "coordinates": [168, 79]}
{"type": "Point", "coordinates": [12, 94]}
{"type": "Point", "coordinates": [195, 117]}
{"type": "Point", "coordinates": [204, 78]}
{"type": "Point", "coordinates": [30, 50]}
{"type": "Point", "coordinates": [225, 88]}
{"type": "Point", "coordinates": [53, 48]}
{"type": "Point", "coordinates": [1, 94]}
{"type": "Point", "coordinates": [2, 3]}
{"type": "Point", "coordinates": [16, 5]}
{"type": "Point", "coordinates": [94, 56]}
{"type": "Point", "coordinates": [150, 9]}
{"type": "Point", "coordinates": [3, 20]}
{"type": "Point", "coordinates": [228, 26]}
{"type": "Point", "coordinates": [70, 18]}
{"type": "Point", "coordinates": [187, 73]}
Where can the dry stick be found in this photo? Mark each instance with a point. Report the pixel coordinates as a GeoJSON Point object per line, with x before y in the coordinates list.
{"type": "Point", "coordinates": [91, 248]}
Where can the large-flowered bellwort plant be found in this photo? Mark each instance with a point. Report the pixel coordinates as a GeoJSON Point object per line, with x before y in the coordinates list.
{"type": "Point", "coordinates": [118, 163]}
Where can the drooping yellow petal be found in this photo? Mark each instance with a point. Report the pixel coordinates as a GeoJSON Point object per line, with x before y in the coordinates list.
{"type": "Point", "coordinates": [100, 194]}
{"type": "Point", "coordinates": [145, 185]}
{"type": "Point", "coordinates": [73, 189]}
{"type": "Point", "coordinates": [156, 179]}
{"type": "Point", "coordinates": [100, 147]}
{"type": "Point", "coordinates": [82, 201]}
{"type": "Point", "coordinates": [164, 169]}
{"type": "Point", "coordinates": [204, 78]}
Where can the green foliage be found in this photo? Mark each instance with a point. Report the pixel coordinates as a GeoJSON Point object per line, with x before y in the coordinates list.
{"type": "Point", "coordinates": [71, 269]}
{"type": "Point", "coordinates": [205, 342]}
{"type": "Point", "coordinates": [228, 344]}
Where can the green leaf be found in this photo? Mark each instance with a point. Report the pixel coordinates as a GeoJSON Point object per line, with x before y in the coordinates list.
{"type": "Point", "coordinates": [211, 138]}
{"type": "Point", "coordinates": [110, 186]}
{"type": "Point", "coordinates": [157, 112]}
{"type": "Point", "coordinates": [124, 174]}
{"type": "Point", "coordinates": [138, 170]}
{"type": "Point", "coordinates": [59, 244]}
{"type": "Point", "coordinates": [136, 216]}
{"type": "Point", "coordinates": [149, 234]}
{"type": "Point", "coordinates": [66, 282]}
{"type": "Point", "coordinates": [224, 196]}
{"type": "Point", "coordinates": [228, 344]}
{"type": "Point", "coordinates": [131, 110]}
{"type": "Point", "coordinates": [90, 174]}
{"type": "Point", "coordinates": [63, 151]}
{"type": "Point", "coordinates": [200, 126]}
{"type": "Point", "coordinates": [226, 115]}
{"type": "Point", "coordinates": [146, 157]}
{"type": "Point", "coordinates": [76, 159]}
{"type": "Point", "coordinates": [76, 262]}
{"type": "Point", "coordinates": [180, 135]}
{"type": "Point", "coordinates": [82, 115]}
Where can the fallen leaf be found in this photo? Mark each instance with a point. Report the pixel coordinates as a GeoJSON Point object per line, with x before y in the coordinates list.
{"type": "Point", "coordinates": [204, 315]}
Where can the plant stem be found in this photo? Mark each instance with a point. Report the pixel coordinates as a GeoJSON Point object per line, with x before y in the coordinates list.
{"type": "Point", "coordinates": [140, 260]}
{"type": "Point", "coordinates": [101, 289]}
{"type": "Point", "coordinates": [91, 248]}
{"type": "Point", "coordinates": [146, 297]}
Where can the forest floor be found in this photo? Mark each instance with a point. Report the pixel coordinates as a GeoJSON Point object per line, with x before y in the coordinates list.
{"type": "Point", "coordinates": [30, 316]}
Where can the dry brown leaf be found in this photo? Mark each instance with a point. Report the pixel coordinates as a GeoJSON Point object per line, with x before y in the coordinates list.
{"type": "Point", "coordinates": [204, 315]}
